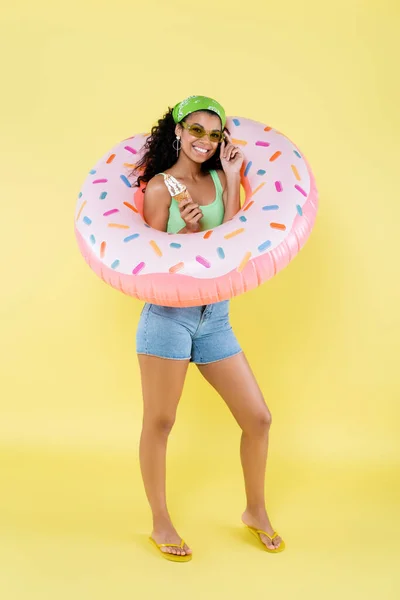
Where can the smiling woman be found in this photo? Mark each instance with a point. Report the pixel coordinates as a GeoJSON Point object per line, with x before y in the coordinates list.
{"type": "Point", "coordinates": [189, 174]}
{"type": "Point", "coordinates": [197, 195]}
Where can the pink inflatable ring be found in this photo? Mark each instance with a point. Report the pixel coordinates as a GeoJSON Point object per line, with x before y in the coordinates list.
{"type": "Point", "coordinates": [210, 266]}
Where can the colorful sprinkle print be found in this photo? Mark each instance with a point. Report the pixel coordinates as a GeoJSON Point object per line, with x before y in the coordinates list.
{"type": "Point", "coordinates": [244, 262]}
{"type": "Point", "coordinates": [276, 182]}
{"type": "Point", "coordinates": [177, 267]}
{"type": "Point", "coordinates": [155, 247]}
{"type": "Point", "coordinates": [130, 149]}
{"type": "Point", "coordinates": [249, 205]}
{"type": "Point", "coordinates": [203, 261]}
{"type": "Point", "coordinates": [247, 169]}
{"type": "Point", "coordinates": [131, 207]}
{"type": "Point", "coordinates": [300, 189]}
{"type": "Point", "coordinates": [295, 172]}
{"type": "Point", "coordinates": [258, 188]}
{"type": "Point", "coordinates": [278, 226]}
{"type": "Point", "coordinates": [134, 236]}
{"type": "Point", "coordinates": [81, 209]}
{"type": "Point", "coordinates": [228, 236]}
{"type": "Point", "coordinates": [264, 246]}
{"type": "Point", "coordinates": [275, 156]}
{"type": "Point", "coordinates": [138, 268]}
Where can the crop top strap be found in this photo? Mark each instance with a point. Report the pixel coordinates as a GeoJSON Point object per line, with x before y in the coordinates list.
{"type": "Point", "coordinates": [216, 180]}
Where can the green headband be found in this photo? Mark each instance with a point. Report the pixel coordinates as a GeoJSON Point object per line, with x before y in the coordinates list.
{"type": "Point", "coordinates": [194, 103]}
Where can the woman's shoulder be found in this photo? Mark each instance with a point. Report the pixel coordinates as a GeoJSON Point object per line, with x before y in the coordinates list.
{"type": "Point", "coordinates": [156, 182]}
{"type": "Point", "coordinates": [156, 178]}
{"type": "Point", "coordinates": [156, 187]}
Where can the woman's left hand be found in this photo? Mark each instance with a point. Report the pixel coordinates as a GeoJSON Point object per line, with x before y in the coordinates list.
{"type": "Point", "coordinates": [231, 157]}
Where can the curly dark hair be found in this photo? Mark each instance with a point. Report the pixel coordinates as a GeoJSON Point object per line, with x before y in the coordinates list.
{"type": "Point", "coordinates": [159, 154]}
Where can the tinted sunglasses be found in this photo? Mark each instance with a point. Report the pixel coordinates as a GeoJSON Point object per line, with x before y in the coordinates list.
{"type": "Point", "coordinates": [215, 135]}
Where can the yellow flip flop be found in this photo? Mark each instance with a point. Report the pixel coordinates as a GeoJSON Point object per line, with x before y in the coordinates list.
{"type": "Point", "coordinates": [168, 555]}
{"type": "Point", "coordinates": [257, 532]}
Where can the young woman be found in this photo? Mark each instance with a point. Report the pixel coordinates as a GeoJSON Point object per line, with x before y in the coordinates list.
{"type": "Point", "coordinates": [190, 143]}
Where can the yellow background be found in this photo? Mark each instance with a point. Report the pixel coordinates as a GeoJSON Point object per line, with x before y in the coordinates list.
{"type": "Point", "coordinates": [322, 336]}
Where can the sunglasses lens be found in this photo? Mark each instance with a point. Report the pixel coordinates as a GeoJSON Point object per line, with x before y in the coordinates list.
{"type": "Point", "coordinates": [216, 136]}
{"type": "Point", "coordinates": [197, 131]}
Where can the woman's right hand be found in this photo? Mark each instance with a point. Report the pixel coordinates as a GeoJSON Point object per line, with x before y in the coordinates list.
{"type": "Point", "coordinates": [191, 214]}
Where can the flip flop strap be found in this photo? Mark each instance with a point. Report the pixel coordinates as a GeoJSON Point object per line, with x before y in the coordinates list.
{"type": "Point", "coordinates": [267, 534]}
{"type": "Point", "coordinates": [174, 545]}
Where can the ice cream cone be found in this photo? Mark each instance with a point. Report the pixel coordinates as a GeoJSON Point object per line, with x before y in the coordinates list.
{"type": "Point", "coordinates": [182, 196]}
{"type": "Point", "coordinates": [177, 189]}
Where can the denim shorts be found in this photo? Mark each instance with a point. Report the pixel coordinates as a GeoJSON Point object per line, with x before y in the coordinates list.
{"type": "Point", "coordinates": [201, 334]}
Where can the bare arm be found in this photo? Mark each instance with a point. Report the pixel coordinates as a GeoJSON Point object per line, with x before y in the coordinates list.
{"type": "Point", "coordinates": [156, 204]}
{"type": "Point", "coordinates": [231, 194]}
{"type": "Point", "coordinates": [157, 201]}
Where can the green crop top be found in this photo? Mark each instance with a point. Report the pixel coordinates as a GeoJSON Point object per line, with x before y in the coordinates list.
{"type": "Point", "coordinates": [213, 214]}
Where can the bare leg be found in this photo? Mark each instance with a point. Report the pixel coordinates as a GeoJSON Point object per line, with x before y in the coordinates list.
{"type": "Point", "coordinates": [162, 384]}
{"type": "Point", "coordinates": [234, 381]}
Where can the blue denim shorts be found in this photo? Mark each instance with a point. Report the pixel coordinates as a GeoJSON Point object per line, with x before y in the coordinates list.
{"type": "Point", "coordinates": [201, 334]}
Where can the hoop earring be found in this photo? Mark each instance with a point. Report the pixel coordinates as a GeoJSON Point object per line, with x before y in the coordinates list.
{"type": "Point", "coordinates": [176, 144]}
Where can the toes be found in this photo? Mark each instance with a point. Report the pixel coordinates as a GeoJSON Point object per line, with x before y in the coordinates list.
{"type": "Point", "coordinates": [177, 551]}
{"type": "Point", "coordinates": [269, 543]}
{"type": "Point", "coordinates": [277, 541]}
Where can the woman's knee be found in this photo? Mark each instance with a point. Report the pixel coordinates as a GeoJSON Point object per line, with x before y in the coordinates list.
{"type": "Point", "coordinates": [258, 423]}
{"type": "Point", "coordinates": [161, 424]}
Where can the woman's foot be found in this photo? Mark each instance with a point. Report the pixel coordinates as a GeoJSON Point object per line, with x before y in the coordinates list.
{"type": "Point", "coordinates": [261, 521]}
{"type": "Point", "coordinates": [167, 534]}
